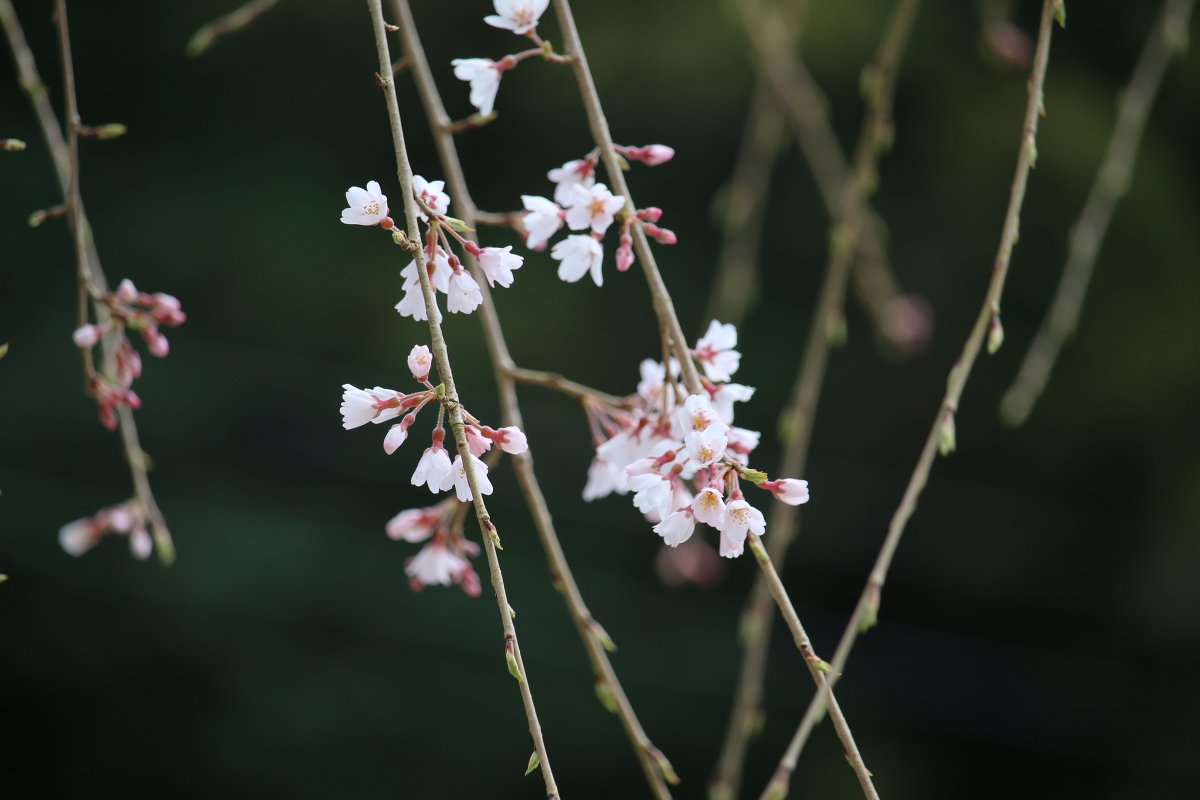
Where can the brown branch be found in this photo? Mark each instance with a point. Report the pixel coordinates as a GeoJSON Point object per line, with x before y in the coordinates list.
{"type": "Point", "coordinates": [235, 20]}
{"type": "Point", "coordinates": [1112, 181]}
{"type": "Point", "coordinates": [451, 401]}
{"type": "Point", "coordinates": [557, 382]}
{"type": "Point", "coordinates": [848, 225]}
{"type": "Point", "coordinates": [594, 638]}
{"type": "Point", "coordinates": [868, 603]}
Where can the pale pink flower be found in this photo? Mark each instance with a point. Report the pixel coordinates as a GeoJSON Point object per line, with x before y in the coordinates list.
{"type": "Point", "coordinates": [484, 76]}
{"type": "Point", "coordinates": [498, 265]}
{"type": "Point", "coordinates": [367, 206]}
{"type": "Point", "coordinates": [741, 443]}
{"type": "Point", "coordinates": [419, 361]}
{"type": "Point", "coordinates": [413, 305]}
{"type": "Point", "coordinates": [709, 507]}
{"type": "Point", "coordinates": [511, 439]}
{"type": "Point", "coordinates": [518, 16]}
{"type": "Point", "coordinates": [79, 536]}
{"type": "Point", "coordinates": [652, 494]}
{"type": "Point", "coordinates": [435, 564]}
{"type": "Point", "coordinates": [726, 395]}
{"type": "Point", "coordinates": [581, 172]}
{"type": "Point", "coordinates": [463, 295]}
{"type": "Point", "coordinates": [707, 447]}
{"type": "Point", "coordinates": [360, 406]}
{"type": "Point", "coordinates": [789, 490]}
{"type": "Point", "coordinates": [579, 255]}
{"type": "Point", "coordinates": [604, 478]}
{"type": "Point", "coordinates": [433, 469]}
{"type": "Point", "coordinates": [140, 543]}
{"type": "Point", "coordinates": [652, 154]}
{"type": "Point", "coordinates": [593, 208]}
{"type": "Point", "coordinates": [715, 352]}
{"type": "Point", "coordinates": [697, 414]}
{"type": "Point", "coordinates": [476, 442]}
{"type": "Point", "coordinates": [677, 527]}
{"type": "Point", "coordinates": [740, 518]}
{"type": "Point", "coordinates": [414, 524]}
{"type": "Point", "coordinates": [458, 478]}
{"type": "Point", "coordinates": [395, 437]}
{"type": "Point", "coordinates": [431, 194]}
{"type": "Point", "coordinates": [543, 220]}
{"type": "Point", "coordinates": [128, 293]}
{"type": "Point", "coordinates": [156, 341]}
{"type": "Point", "coordinates": [87, 336]}
{"type": "Point", "coordinates": [441, 272]}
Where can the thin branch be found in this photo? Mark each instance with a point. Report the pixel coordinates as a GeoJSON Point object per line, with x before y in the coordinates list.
{"type": "Point", "coordinates": [451, 401]}
{"type": "Point", "coordinates": [1112, 181]}
{"type": "Point", "coordinates": [595, 640]}
{"type": "Point", "coordinates": [665, 311]}
{"type": "Point", "coordinates": [60, 153]}
{"type": "Point", "coordinates": [797, 421]}
{"type": "Point", "coordinates": [941, 433]}
{"type": "Point", "coordinates": [235, 20]}
{"type": "Point", "coordinates": [557, 382]}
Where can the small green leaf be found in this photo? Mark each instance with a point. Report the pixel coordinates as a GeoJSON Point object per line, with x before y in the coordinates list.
{"type": "Point", "coordinates": [534, 761]}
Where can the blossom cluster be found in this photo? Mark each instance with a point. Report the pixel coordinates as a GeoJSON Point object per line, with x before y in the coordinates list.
{"type": "Point", "coordinates": [682, 456]}
{"type": "Point", "coordinates": [441, 561]}
{"type": "Point", "coordinates": [369, 207]}
{"type": "Point", "coordinates": [126, 519]}
{"type": "Point", "coordinates": [128, 309]}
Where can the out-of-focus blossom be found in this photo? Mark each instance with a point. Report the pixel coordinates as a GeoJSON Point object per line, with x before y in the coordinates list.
{"type": "Point", "coordinates": [578, 255]}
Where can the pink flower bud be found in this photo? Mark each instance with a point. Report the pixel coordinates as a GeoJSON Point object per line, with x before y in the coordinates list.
{"type": "Point", "coordinates": [140, 544]}
{"type": "Point", "coordinates": [87, 336]}
{"type": "Point", "coordinates": [658, 154]}
{"type": "Point", "coordinates": [395, 437]}
{"type": "Point", "coordinates": [625, 253]}
{"type": "Point", "coordinates": [477, 442]}
{"type": "Point", "coordinates": [419, 361]}
{"type": "Point", "coordinates": [511, 439]}
{"type": "Point", "coordinates": [651, 214]}
{"type": "Point", "coordinates": [661, 235]}
{"type": "Point", "coordinates": [156, 342]}
{"type": "Point", "coordinates": [127, 292]}
{"type": "Point", "coordinates": [789, 490]}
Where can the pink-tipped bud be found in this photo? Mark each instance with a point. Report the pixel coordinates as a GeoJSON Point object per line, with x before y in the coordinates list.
{"type": "Point", "coordinates": [140, 544]}
{"type": "Point", "coordinates": [419, 361]}
{"type": "Point", "coordinates": [651, 155]}
{"type": "Point", "coordinates": [788, 490]}
{"type": "Point", "coordinates": [472, 248]}
{"type": "Point", "coordinates": [387, 223]}
{"type": "Point", "coordinates": [511, 439]}
{"type": "Point", "coordinates": [660, 235]}
{"type": "Point", "coordinates": [625, 253]}
{"type": "Point", "coordinates": [87, 336]}
{"type": "Point", "coordinates": [395, 437]}
{"type": "Point", "coordinates": [127, 292]}
{"type": "Point", "coordinates": [156, 342]}
{"type": "Point", "coordinates": [651, 214]}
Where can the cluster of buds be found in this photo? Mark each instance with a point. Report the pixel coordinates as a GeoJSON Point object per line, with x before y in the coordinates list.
{"type": "Point", "coordinates": [126, 519]}
{"type": "Point", "coordinates": [446, 273]}
{"type": "Point", "coordinates": [128, 309]}
{"type": "Point", "coordinates": [435, 469]}
{"type": "Point", "coordinates": [682, 457]}
{"type": "Point", "coordinates": [584, 205]}
{"type": "Point", "coordinates": [443, 560]}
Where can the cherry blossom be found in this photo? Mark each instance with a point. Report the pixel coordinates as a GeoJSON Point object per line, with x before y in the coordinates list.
{"type": "Point", "coordinates": [741, 443]}
{"type": "Point", "coordinates": [726, 395]}
{"type": "Point", "coordinates": [677, 527]}
{"type": "Point", "coordinates": [581, 172]}
{"type": "Point", "coordinates": [419, 361]}
{"type": "Point", "coordinates": [436, 565]}
{"type": "Point", "coordinates": [543, 220]}
{"type": "Point", "coordinates": [88, 335]}
{"type": "Point", "coordinates": [740, 518]}
{"type": "Point", "coordinates": [579, 255]}
{"type": "Point", "coordinates": [707, 447]}
{"type": "Point", "coordinates": [414, 524]}
{"type": "Point", "coordinates": [431, 194]}
{"type": "Point", "coordinates": [367, 206]}
{"type": "Point", "coordinates": [463, 294]}
{"type": "Point", "coordinates": [652, 494]}
{"type": "Point", "coordinates": [789, 490]}
{"type": "Point", "coordinates": [715, 351]}
{"type": "Point", "coordinates": [697, 414]}
{"type": "Point", "coordinates": [604, 478]}
{"type": "Point", "coordinates": [518, 16]}
{"type": "Point", "coordinates": [511, 439]}
{"type": "Point", "coordinates": [433, 469]}
{"type": "Point", "coordinates": [457, 477]}
{"type": "Point", "coordinates": [477, 443]}
{"type": "Point", "coordinates": [709, 507]}
{"type": "Point", "coordinates": [652, 154]}
{"type": "Point", "coordinates": [484, 76]}
{"type": "Point", "coordinates": [592, 208]}
{"type": "Point", "coordinates": [360, 406]}
{"type": "Point", "coordinates": [498, 265]}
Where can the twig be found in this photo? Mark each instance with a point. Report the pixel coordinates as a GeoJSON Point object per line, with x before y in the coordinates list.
{"type": "Point", "coordinates": [1112, 181]}
{"type": "Point", "coordinates": [557, 382]}
{"type": "Point", "coordinates": [595, 640]}
{"type": "Point", "coordinates": [868, 603]}
{"type": "Point", "coordinates": [223, 26]}
{"type": "Point", "coordinates": [797, 421]}
{"type": "Point", "coordinates": [451, 401]}
{"type": "Point", "coordinates": [665, 310]}
{"type": "Point", "coordinates": [61, 155]}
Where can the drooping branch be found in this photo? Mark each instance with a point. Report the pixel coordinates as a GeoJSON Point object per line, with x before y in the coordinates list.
{"type": "Point", "coordinates": [941, 435]}
{"type": "Point", "coordinates": [1168, 35]}
{"type": "Point", "coordinates": [235, 20]}
{"type": "Point", "coordinates": [451, 400]}
{"type": "Point", "coordinates": [595, 640]}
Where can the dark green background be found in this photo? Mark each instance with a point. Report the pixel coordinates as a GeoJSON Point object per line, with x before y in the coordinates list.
{"type": "Point", "coordinates": [1039, 637]}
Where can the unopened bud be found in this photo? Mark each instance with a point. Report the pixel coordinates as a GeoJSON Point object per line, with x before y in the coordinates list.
{"type": "Point", "coordinates": [399, 237]}
{"type": "Point", "coordinates": [946, 439]}
{"type": "Point", "coordinates": [12, 145]}
{"type": "Point", "coordinates": [510, 655]}
{"type": "Point", "coordinates": [127, 292]}
{"type": "Point", "coordinates": [110, 131]}
{"type": "Point", "coordinates": [995, 334]}
{"type": "Point", "coordinates": [622, 162]}
{"type": "Point", "coordinates": [602, 636]}
{"type": "Point", "coordinates": [870, 615]}
{"type": "Point", "coordinates": [604, 694]}
{"type": "Point", "coordinates": [87, 336]}
{"type": "Point", "coordinates": [660, 235]}
{"type": "Point", "coordinates": [754, 476]}
{"type": "Point", "coordinates": [625, 253]}
{"type": "Point", "coordinates": [664, 766]}
{"type": "Point", "coordinates": [533, 764]}
{"type": "Point", "coordinates": [1060, 13]}
{"type": "Point", "coordinates": [457, 224]}
{"type": "Point", "coordinates": [1031, 149]}
{"type": "Point", "coordinates": [651, 214]}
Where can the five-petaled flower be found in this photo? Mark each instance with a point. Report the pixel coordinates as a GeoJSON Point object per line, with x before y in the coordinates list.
{"type": "Point", "coordinates": [484, 76]}
{"type": "Point", "coordinates": [543, 220]}
{"type": "Point", "coordinates": [581, 172]}
{"type": "Point", "coordinates": [592, 208]}
{"type": "Point", "coordinates": [431, 194]}
{"type": "Point", "coordinates": [579, 255]}
{"type": "Point", "coordinates": [715, 351]}
{"type": "Point", "coordinates": [367, 206]}
{"type": "Point", "coordinates": [518, 16]}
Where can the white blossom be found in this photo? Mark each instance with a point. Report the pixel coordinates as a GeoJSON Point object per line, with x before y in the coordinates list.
{"type": "Point", "coordinates": [484, 77]}
{"type": "Point", "coordinates": [498, 265]}
{"type": "Point", "coordinates": [457, 478]}
{"type": "Point", "coordinates": [414, 524]}
{"type": "Point", "coordinates": [789, 490]}
{"type": "Point", "coordinates": [707, 447]}
{"type": "Point", "coordinates": [512, 441]}
{"type": "Point", "coordinates": [741, 443]}
{"type": "Point", "coordinates": [367, 206]}
{"type": "Point", "coordinates": [653, 494]}
{"type": "Point", "coordinates": [395, 437]}
{"type": "Point", "coordinates": [709, 507]}
{"type": "Point", "coordinates": [697, 414]}
{"type": "Point", "coordinates": [581, 172]}
{"type": "Point", "coordinates": [431, 194]}
{"type": "Point", "coordinates": [463, 294]}
{"type": "Point", "coordinates": [740, 518]}
{"type": "Point", "coordinates": [435, 564]}
{"type": "Point", "coordinates": [419, 362]}
{"type": "Point", "coordinates": [676, 528]}
{"type": "Point", "coordinates": [604, 478]}
{"type": "Point", "coordinates": [360, 406]}
{"type": "Point", "coordinates": [592, 208]}
{"type": "Point", "coordinates": [578, 255]}
{"type": "Point", "coordinates": [726, 395]}
{"type": "Point", "coordinates": [716, 354]}
{"type": "Point", "coordinates": [140, 543]}
{"type": "Point", "coordinates": [78, 537]}
{"type": "Point", "coordinates": [543, 220]}
{"type": "Point", "coordinates": [433, 469]}
{"type": "Point", "coordinates": [518, 16]}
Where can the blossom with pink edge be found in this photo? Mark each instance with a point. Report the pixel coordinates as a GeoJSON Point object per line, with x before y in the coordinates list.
{"type": "Point", "coordinates": [740, 518]}
{"type": "Point", "coordinates": [707, 447]}
{"type": "Point", "coordinates": [360, 406]}
{"type": "Point", "coordinates": [543, 220]}
{"type": "Point", "coordinates": [476, 442]}
{"type": "Point", "coordinates": [715, 352]}
{"type": "Point", "coordinates": [419, 361]}
{"type": "Point", "coordinates": [581, 172]}
{"type": "Point", "coordinates": [511, 439]}
{"type": "Point", "coordinates": [709, 507]}
{"type": "Point", "coordinates": [579, 255]}
{"type": "Point", "coordinates": [414, 524]}
{"type": "Point", "coordinates": [677, 527]}
{"type": "Point", "coordinates": [463, 295]}
{"type": "Point", "coordinates": [458, 478]}
{"type": "Point", "coordinates": [697, 414]}
{"type": "Point", "coordinates": [367, 206]}
{"type": "Point", "coordinates": [653, 494]}
{"type": "Point", "coordinates": [651, 155]}
{"type": "Point", "coordinates": [789, 490]}
{"type": "Point", "coordinates": [431, 194]}
{"type": "Point", "coordinates": [433, 468]}
{"type": "Point", "coordinates": [726, 395]}
{"type": "Point", "coordinates": [434, 564]}
{"type": "Point", "coordinates": [484, 76]}
{"type": "Point", "coordinates": [592, 208]}
{"type": "Point", "coordinates": [498, 265]}
{"type": "Point", "coordinates": [518, 16]}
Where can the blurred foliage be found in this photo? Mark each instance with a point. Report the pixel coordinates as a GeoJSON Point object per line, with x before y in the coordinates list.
{"type": "Point", "coordinates": [1039, 634]}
